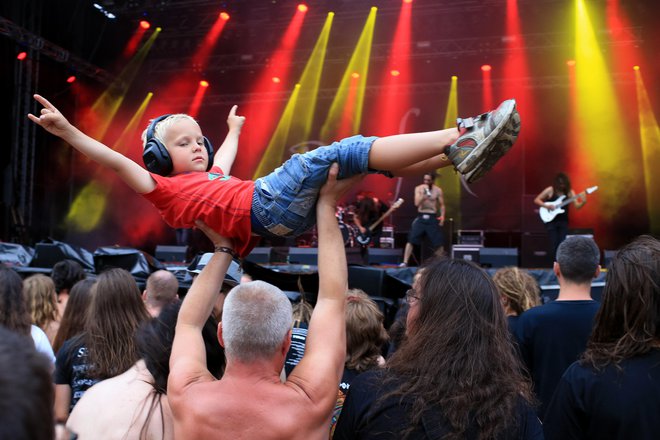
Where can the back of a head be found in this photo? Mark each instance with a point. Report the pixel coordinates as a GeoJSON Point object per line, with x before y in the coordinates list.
{"type": "Point", "coordinates": [519, 287]}
{"type": "Point", "coordinates": [14, 314]}
{"type": "Point", "coordinates": [255, 319]}
{"type": "Point", "coordinates": [628, 322]}
{"type": "Point", "coordinates": [578, 258]}
{"type": "Point", "coordinates": [26, 390]}
{"type": "Point", "coordinates": [73, 320]}
{"type": "Point", "coordinates": [162, 288]}
{"type": "Point", "coordinates": [365, 333]}
{"type": "Point", "coordinates": [39, 292]}
{"type": "Point", "coordinates": [66, 273]}
{"type": "Point", "coordinates": [116, 311]}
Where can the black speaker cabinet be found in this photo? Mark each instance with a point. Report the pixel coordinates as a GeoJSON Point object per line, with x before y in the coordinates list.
{"type": "Point", "coordinates": [260, 255]}
{"type": "Point", "coordinates": [385, 256]}
{"type": "Point", "coordinates": [168, 254]}
{"type": "Point", "coordinates": [535, 251]}
{"type": "Point", "coordinates": [301, 255]}
{"type": "Point", "coordinates": [498, 257]}
{"type": "Point", "coordinates": [466, 252]}
{"type": "Point", "coordinates": [369, 279]}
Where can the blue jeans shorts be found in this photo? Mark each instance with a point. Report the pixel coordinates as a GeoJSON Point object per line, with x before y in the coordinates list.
{"type": "Point", "coordinates": [284, 201]}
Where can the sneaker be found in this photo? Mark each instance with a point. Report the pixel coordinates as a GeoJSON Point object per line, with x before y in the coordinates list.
{"type": "Point", "coordinates": [511, 131]}
{"type": "Point", "coordinates": [403, 264]}
{"type": "Point", "coordinates": [489, 134]}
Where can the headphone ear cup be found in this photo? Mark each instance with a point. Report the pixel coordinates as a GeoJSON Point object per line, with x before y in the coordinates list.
{"type": "Point", "coordinates": [209, 150]}
{"type": "Point", "coordinates": [156, 158]}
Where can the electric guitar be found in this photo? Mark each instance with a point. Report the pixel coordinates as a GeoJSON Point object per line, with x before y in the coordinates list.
{"type": "Point", "coordinates": [548, 215]}
{"type": "Point", "coordinates": [365, 238]}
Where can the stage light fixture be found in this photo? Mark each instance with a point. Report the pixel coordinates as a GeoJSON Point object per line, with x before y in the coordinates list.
{"type": "Point", "coordinates": [105, 12]}
{"type": "Point", "coordinates": [204, 83]}
{"type": "Point", "coordinates": [144, 24]}
{"type": "Point", "coordinates": [224, 16]}
{"type": "Point", "coordinates": [635, 67]}
{"type": "Point", "coordinates": [71, 79]}
{"type": "Point", "coordinates": [395, 72]}
{"type": "Point", "coordinates": [570, 63]}
{"type": "Point", "coordinates": [302, 7]}
{"type": "Point", "coordinates": [276, 80]}
{"type": "Point", "coordinates": [21, 56]}
{"type": "Point", "coordinates": [486, 68]}
{"type": "Point", "coordinates": [454, 77]}
{"type": "Point", "coordinates": [407, 1]}
{"type": "Point", "coordinates": [355, 75]}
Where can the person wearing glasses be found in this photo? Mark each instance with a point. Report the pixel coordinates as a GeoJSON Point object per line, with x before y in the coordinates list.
{"type": "Point", "coordinates": [454, 375]}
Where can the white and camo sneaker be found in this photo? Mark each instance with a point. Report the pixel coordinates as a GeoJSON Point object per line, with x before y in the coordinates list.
{"type": "Point", "coordinates": [485, 139]}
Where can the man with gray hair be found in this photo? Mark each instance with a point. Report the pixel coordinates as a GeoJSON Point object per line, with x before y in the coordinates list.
{"type": "Point", "coordinates": [161, 289]}
{"type": "Point", "coordinates": [251, 401]}
{"type": "Point", "coordinates": [552, 336]}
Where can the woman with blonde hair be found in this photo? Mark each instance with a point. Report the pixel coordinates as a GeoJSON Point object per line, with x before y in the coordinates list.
{"type": "Point", "coordinates": [518, 291]}
{"type": "Point", "coordinates": [39, 292]}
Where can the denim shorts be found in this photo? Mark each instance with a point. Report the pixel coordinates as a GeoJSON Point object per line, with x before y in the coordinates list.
{"type": "Point", "coordinates": [284, 202]}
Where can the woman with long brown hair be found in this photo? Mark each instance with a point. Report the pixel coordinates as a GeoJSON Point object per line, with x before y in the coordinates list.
{"type": "Point", "coordinates": [613, 392]}
{"type": "Point", "coordinates": [107, 347]}
{"type": "Point", "coordinates": [75, 313]}
{"type": "Point", "coordinates": [454, 376]}
{"type": "Point", "coordinates": [39, 292]}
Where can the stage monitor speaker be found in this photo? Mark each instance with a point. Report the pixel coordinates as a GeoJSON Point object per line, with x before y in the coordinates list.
{"type": "Point", "coordinates": [50, 252]}
{"type": "Point", "coordinates": [369, 279]}
{"type": "Point", "coordinates": [260, 255]}
{"type": "Point", "coordinates": [169, 254]}
{"type": "Point", "coordinates": [308, 256]}
{"type": "Point", "coordinates": [498, 257]}
{"type": "Point", "coordinates": [535, 251]}
{"type": "Point", "coordinates": [385, 256]}
{"type": "Point", "coordinates": [466, 252]}
{"type": "Point", "coordinates": [139, 263]}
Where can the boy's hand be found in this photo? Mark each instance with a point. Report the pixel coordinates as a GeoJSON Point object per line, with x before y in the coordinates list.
{"type": "Point", "coordinates": [234, 121]}
{"type": "Point", "coordinates": [334, 189]}
{"type": "Point", "coordinates": [51, 119]}
{"type": "Point", "coordinates": [216, 239]}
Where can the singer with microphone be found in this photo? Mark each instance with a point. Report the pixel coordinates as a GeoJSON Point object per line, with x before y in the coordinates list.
{"type": "Point", "coordinates": [430, 219]}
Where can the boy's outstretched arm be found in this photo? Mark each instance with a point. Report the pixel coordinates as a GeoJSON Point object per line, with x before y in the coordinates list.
{"type": "Point", "coordinates": [226, 154]}
{"type": "Point", "coordinates": [130, 172]}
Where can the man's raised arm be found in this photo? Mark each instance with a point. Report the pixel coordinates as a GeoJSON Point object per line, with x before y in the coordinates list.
{"type": "Point", "coordinates": [54, 122]}
{"type": "Point", "coordinates": [188, 358]}
{"type": "Point", "coordinates": [320, 369]}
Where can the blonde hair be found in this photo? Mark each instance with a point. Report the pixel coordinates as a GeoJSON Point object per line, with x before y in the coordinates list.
{"type": "Point", "coordinates": [365, 333]}
{"type": "Point", "coordinates": [160, 130]}
{"type": "Point", "coordinates": [41, 299]}
{"type": "Point", "coordinates": [518, 287]}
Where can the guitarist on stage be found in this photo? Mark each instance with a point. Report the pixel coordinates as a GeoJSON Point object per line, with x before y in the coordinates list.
{"type": "Point", "coordinates": [368, 209]}
{"type": "Point", "coordinates": [558, 227]}
{"type": "Point", "coordinates": [430, 205]}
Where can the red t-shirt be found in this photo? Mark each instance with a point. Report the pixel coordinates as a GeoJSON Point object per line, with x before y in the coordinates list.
{"type": "Point", "coordinates": [222, 202]}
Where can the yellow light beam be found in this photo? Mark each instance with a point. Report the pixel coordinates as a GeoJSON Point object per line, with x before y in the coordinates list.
{"type": "Point", "coordinates": [448, 180]}
{"type": "Point", "coordinates": [273, 155]}
{"type": "Point", "coordinates": [124, 141]}
{"type": "Point", "coordinates": [601, 131]}
{"type": "Point", "coordinates": [650, 136]}
{"type": "Point", "coordinates": [359, 63]}
{"type": "Point", "coordinates": [108, 103]}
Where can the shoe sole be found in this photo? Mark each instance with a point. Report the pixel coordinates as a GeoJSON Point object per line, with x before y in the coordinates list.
{"type": "Point", "coordinates": [489, 143]}
{"type": "Point", "coordinates": [504, 142]}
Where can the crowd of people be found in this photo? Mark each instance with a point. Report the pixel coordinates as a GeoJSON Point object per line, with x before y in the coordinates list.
{"type": "Point", "coordinates": [469, 356]}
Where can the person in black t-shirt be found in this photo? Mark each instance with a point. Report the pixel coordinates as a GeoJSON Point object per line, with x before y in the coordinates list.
{"type": "Point", "coordinates": [614, 391]}
{"type": "Point", "coordinates": [553, 336]}
{"type": "Point", "coordinates": [455, 372]}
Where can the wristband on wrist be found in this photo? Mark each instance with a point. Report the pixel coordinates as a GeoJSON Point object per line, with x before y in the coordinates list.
{"type": "Point", "coordinates": [227, 250]}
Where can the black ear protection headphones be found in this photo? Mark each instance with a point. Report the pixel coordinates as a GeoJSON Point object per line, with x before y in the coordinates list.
{"type": "Point", "coordinates": [156, 157]}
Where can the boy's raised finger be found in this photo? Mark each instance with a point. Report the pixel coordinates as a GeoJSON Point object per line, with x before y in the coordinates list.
{"type": "Point", "coordinates": [232, 112]}
{"type": "Point", "coordinates": [43, 101]}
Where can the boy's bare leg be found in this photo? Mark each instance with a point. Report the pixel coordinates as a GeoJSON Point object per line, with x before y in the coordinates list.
{"type": "Point", "coordinates": [422, 167]}
{"type": "Point", "coordinates": [402, 150]}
